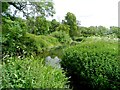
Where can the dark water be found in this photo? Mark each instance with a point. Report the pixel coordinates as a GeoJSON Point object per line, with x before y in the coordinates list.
{"type": "Point", "coordinates": [56, 51]}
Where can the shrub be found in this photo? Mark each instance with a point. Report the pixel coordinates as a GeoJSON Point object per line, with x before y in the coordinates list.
{"type": "Point", "coordinates": [42, 41]}
{"type": "Point", "coordinates": [31, 73]}
{"type": "Point", "coordinates": [38, 25]}
{"type": "Point", "coordinates": [62, 37]}
{"type": "Point", "coordinates": [63, 27]}
{"type": "Point", "coordinates": [12, 36]}
{"type": "Point", "coordinates": [14, 40]}
{"type": "Point", "coordinates": [53, 26]}
{"type": "Point", "coordinates": [93, 64]}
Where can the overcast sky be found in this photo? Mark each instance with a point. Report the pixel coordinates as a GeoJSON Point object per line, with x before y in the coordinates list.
{"type": "Point", "coordinates": [89, 12]}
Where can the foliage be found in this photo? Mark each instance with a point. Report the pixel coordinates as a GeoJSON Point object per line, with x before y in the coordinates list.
{"type": "Point", "coordinates": [82, 31]}
{"type": "Point", "coordinates": [115, 30]}
{"type": "Point", "coordinates": [70, 19]}
{"type": "Point", "coordinates": [101, 30]}
{"type": "Point", "coordinates": [31, 27]}
{"type": "Point", "coordinates": [64, 28]}
{"type": "Point", "coordinates": [42, 41]}
{"type": "Point", "coordinates": [41, 8]}
{"type": "Point", "coordinates": [16, 41]}
{"type": "Point", "coordinates": [42, 25]}
{"type": "Point", "coordinates": [38, 25]}
{"type": "Point", "coordinates": [62, 37]}
{"type": "Point", "coordinates": [93, 64]}
{"type": "Point", "coordinates": [31, 73]}
{"type": "Point", "coordinates": [53, 26]}
{"type": "Point", "coordinates": [13, 33]}
{"type": "Point", "coordinates": [93, 31]}
{"type": "Point", "coordinates": [5, 6]}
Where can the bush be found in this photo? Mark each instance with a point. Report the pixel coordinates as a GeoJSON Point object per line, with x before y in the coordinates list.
{"type": "Point", "coordinates": [38, 25]}
{"type": "Point", "coordinates": [93, 64]}
{"type": "Point", "coordinates": [12, 36]}
{"type": "Point", "coordinates": [42, 41]}
{"type": "Point", "coordinates": [64, 28]}
{"type": "Point", "coordinates": [62, 37]}
{"type": "Point", "coordinates": [31, 73]}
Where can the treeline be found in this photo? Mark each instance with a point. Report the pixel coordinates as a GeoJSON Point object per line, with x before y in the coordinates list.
{"type": "Point", "coordinates": [16, 32]}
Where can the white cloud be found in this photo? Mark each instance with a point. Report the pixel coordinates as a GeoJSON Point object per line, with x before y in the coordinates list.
{"type": "Point", "coordinates": [89, 12]}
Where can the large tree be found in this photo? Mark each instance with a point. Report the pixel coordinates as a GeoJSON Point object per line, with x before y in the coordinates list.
{"type": "Point", "coordinates": [41, 8]}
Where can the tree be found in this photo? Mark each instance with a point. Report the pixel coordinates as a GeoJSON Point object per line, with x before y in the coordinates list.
{"type": "Point", "coordinates": [64, 28]}
{"type": "Point", "coordinates": [42, 25]}
{"type": "Point", "coordinates": [115, 30]}
{"type": "Point", "coordinates": [101, 30]}
{"type": "Point", "coordinates": [54, 25]}
{"type": "Point", "coordinates": [13, 36]}
{"type": "Point", "coordinates": [71, 21]}
{"type": "Point", "coordinates": [43, 8]}
{"type": "Point", "coordinates": [92, 30]}
{"type": "Point", "coordinates": [83, 31]}
{"type": "Point", "coordinates": [31, 27]}
{"type": "Point", "coordinates": [5, 6]}
{"type": "Point", "coordinates": [38, 26]}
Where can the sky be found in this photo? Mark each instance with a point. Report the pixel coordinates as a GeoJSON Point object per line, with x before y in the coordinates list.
{"type": "Point", "coordinates": [89, 12]}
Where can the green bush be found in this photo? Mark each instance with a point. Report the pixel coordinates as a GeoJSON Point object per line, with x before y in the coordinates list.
{"type": "Point", "coordinates": [64, 28]}
{"type": "Point", "coordinates": [93, 64]}
{"type": "Point", "coordinates": [42, 41]}
{"type": "Point", "coordinates": [13, 33]}
{"type": "Point", "coordinates": [38, 25]}
{"type": "Point", "coordinates": [31, 73]}
{"type": "Point", "coordinates": [62, 37]}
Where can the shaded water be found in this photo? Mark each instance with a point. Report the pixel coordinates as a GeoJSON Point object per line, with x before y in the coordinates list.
{"type": "Point", "coordinates": [56, 51]}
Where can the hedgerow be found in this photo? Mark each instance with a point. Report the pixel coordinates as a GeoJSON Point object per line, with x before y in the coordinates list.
{"type": "Point", "coordinates": [93, 64]}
